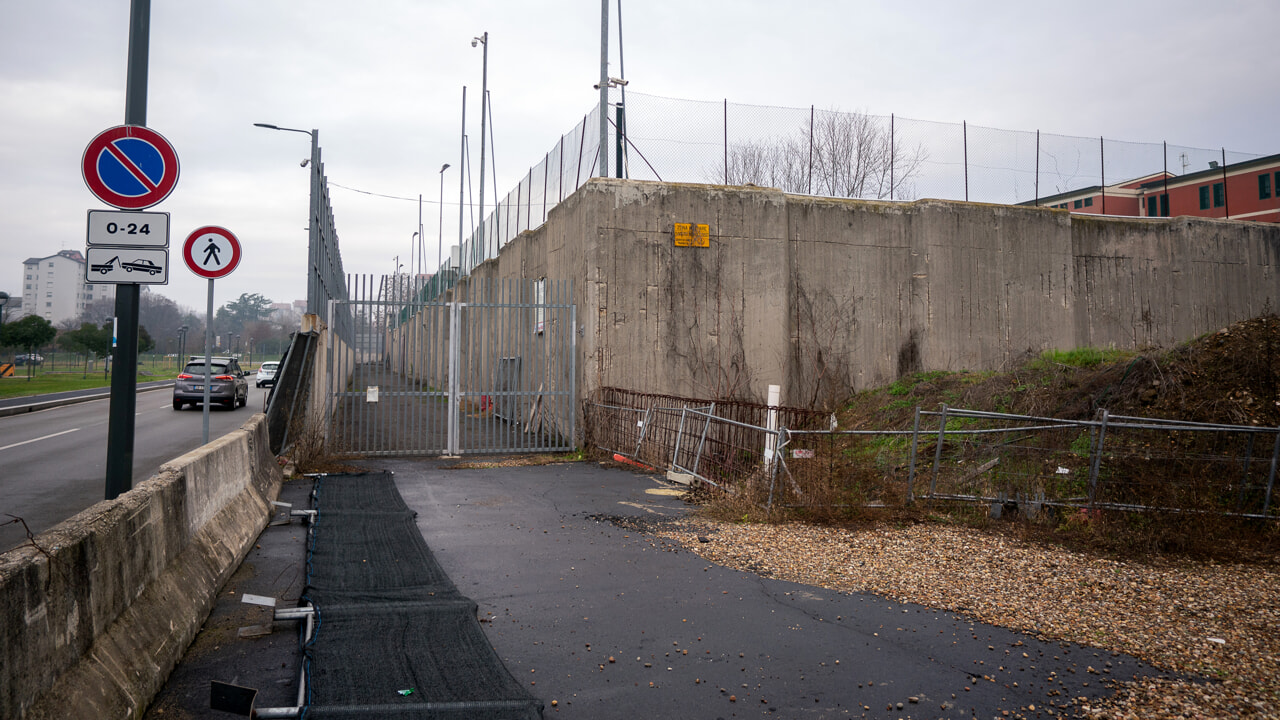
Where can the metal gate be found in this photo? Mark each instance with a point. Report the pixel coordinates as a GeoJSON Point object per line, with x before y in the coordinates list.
{"type": "Point", "coordinates": [486, 367]}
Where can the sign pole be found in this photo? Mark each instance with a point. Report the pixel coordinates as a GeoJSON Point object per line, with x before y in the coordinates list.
{"type": "Point", "coordinates": [208, 362]}
{"type": "Point", "coordinates": [124, 382]}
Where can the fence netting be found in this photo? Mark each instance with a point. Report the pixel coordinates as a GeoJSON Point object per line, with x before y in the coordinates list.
{"type": "Point", "coordinates": [829, 152]}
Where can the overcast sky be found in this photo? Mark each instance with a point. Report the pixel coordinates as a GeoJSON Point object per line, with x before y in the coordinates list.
{"type": "Point", "coordinates": [382, 81]}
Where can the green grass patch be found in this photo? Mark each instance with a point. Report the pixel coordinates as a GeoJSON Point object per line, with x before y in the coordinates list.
{"type": "Point", "coordinates": [1080, 357]}
{"type": "Point", "coordinates": [67, 378]}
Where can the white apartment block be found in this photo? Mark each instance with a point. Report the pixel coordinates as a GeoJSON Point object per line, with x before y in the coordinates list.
{"type": "Point", "coordinates": [54, 287]}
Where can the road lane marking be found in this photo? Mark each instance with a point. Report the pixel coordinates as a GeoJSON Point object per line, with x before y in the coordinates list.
{"type": "Point", "coordinates": [46, 437]}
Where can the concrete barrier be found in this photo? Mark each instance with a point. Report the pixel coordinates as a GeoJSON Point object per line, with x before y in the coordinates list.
{"type": "Point", "coordinates": [95, 615]}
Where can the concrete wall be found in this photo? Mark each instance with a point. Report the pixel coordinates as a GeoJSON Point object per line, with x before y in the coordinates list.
{"type": "Point", "coordinates": [93, 619]}
{"type": "Point", "coordinates": [827, 296]}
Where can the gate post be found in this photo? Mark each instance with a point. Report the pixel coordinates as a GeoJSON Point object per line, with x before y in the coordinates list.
{"type": "Point", "coordinates": [455, 323]}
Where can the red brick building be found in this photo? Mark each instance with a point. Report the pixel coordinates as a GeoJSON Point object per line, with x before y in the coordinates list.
{"type": "Point", "coordinates": [1240, 191]}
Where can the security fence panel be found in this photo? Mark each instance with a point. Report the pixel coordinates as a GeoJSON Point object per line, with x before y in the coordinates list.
{"type": "Point", "coordinates": [484, 368]}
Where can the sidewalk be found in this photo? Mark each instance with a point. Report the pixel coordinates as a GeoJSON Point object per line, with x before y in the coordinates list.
{"type": "Point", "coordinates": [602, 621]}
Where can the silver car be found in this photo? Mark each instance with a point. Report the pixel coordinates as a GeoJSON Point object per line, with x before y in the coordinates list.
{"type": "Point", "coordinates": [227, 385]}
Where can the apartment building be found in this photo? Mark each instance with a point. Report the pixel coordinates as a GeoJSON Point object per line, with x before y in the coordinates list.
{"type": "Point", "coordinates": [54, 287]}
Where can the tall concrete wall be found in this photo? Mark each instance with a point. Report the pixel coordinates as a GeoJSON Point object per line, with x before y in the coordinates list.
{"type": "Point", "coordinates": [94, 617]}
{"type": "Point", "coordinates": [826, 296]}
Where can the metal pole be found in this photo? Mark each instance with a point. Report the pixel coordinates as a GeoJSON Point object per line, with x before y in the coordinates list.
{"type": "Point", "coordinates": [891, 155]}
{"type": "Point", "coordinates": [965, 126]}
{"type": "Point", "coordinates": [440, 241]}
{"type": "Point", "coordinates": [1271, 477]}
{"type": "Point", "coordinates": [1102, 163]}
{"type": "Point", "coordinates": [726, 141]}
{"type": "Point", "coordinates": [915, 443]}
{"type": "Point", "coordinates": [937, 454]}
{"type": "Point", "coordinates": [484, 96]}
{"type": "Point", "coordinates": [208, 362]}
{"type": "Point", "coordinates": [1226, 197]}
{"type": "Point", "coordinates": [604, 88]}
{"type": "Point", "coordinates": [1037, 168]}
{"type": "Point", "coordinates": [810, 176]}
{"type": "Point", "coordinates": [1097, 460]}
{"type": "Point", "coordinates": [313, 228]}
{"type": "Point", "coordinates": [462, 178]}
{"type": "Point", "coordinates": [124, 383]}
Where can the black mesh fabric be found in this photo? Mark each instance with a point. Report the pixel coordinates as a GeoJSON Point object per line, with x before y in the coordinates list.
{"type": "Point", "coordinates": [394, 637]}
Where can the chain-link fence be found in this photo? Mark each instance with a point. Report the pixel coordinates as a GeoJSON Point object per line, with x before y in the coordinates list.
{"type": "Point", "coordinates": [828, 153]}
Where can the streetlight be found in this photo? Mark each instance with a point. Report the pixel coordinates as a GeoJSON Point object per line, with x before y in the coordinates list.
{"type": "Point", "coordinates": [313, 220]}
{"type": "Point", "coordinates": [182, 346]}
{"type": "Point", "coordinates": [440, 242]}
{"type": "Point", "coordinates": [484, 102]}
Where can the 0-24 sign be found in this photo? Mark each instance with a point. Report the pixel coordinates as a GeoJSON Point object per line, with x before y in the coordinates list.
{"type": "Point", "coordinates": [122, 228]}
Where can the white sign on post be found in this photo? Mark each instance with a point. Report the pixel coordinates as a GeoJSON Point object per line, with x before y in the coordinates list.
{"type": "Point", "coordinates": [118, 265]}
{"type": "Point", "coordinates": [123, 228]}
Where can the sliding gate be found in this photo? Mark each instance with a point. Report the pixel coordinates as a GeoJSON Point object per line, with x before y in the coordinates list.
{"type": "Point", "coordinates": [487, 367]}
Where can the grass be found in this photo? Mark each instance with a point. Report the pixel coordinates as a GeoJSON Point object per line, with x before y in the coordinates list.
{"type": "Point", "coordinates": [67, 378]}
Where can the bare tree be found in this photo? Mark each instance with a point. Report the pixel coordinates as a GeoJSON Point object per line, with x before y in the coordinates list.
{"type": "Point", "coordinates": [842, 155]}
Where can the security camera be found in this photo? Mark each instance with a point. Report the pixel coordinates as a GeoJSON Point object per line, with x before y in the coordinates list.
{"type": "Point", "coordinates": [304, 162]}
{"type": "Point", "coordinates": [473, 42]}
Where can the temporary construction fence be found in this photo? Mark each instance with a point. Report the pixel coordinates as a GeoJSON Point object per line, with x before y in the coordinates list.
{"type": "Point", "coordinates": [797, 457]}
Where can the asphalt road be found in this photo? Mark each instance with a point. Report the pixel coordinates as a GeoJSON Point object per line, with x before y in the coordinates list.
{"type": "Point", "coordinates": [53, 462]}
{"type": "Point", "coordinates": [602, 621]}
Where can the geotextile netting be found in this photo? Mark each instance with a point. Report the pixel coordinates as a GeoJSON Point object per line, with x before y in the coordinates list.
{"type": "Point", "coordinates": [393, 637]}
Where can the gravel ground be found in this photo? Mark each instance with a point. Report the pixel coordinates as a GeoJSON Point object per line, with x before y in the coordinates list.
{"type": "Point", "coordinates": [1216, 621]}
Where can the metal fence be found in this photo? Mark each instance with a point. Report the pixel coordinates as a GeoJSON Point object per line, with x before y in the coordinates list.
{"type": "Point", "coordinates": [823, 152]}
{"type": "Point", "coordinates": [1113, 462]}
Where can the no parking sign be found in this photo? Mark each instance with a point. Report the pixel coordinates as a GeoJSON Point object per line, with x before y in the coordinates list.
{"type": "Point", "coordinates": [130, 167]}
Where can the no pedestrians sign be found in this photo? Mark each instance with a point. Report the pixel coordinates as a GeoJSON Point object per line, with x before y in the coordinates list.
{"type": "Point", "coordinates": [211, 252]}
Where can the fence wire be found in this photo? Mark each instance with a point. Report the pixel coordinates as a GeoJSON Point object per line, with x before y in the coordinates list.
{"type": "Point", "coordinates": [820, 151]}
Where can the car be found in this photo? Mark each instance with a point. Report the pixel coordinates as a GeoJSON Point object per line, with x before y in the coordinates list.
{"type": "Point", "coordinates": [227, 385]}
{"type": "Point", "coordinates": [32, 359]}
{"type": "Point", "coordinates": [267, 373]}
{"type": "Point", "coordinates": [142, 265]}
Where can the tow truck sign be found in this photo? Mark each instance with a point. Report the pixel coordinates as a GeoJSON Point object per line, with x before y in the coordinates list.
{"type": "Point", "coordinates": [119, 265]}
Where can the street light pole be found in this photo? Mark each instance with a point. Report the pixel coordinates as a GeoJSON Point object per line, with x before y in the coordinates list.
{"type": "Point", "coordinates": [313, 221]}
{"type": "Point", "coordinates": [484, 102]}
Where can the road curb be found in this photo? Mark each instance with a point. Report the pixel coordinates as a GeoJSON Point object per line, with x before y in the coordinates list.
{"type": "Point", "coordinates": [60, 402]}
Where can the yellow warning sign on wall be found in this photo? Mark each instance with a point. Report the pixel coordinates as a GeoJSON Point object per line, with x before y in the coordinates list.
{"type": "Point", "coordinates": [691, 235]}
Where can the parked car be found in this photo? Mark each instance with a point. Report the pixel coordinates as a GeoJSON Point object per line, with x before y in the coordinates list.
{"type": "Point", "coordinates": [267, 373]}
{"type": "Point", "coordinates": [32, 359]}
{"type": "Point", "coordinates": [227, 385]}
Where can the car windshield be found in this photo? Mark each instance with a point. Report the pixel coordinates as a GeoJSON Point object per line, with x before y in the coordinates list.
{"type": "Point", "coordinates": [198, 369]}
{"type": "Point", "coordinates": [270, 365]}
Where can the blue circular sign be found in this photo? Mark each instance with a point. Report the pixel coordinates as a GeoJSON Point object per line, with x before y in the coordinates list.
{"type": "Point", "coordinates": [130, 167]}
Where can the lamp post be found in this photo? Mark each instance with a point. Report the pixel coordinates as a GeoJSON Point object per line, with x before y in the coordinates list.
{"type": "Point", "coordinates": [4, 300]}
{"type": "Point", "coordinates": [182, 346]}
{"type": "Point", "coordinates": [313, 220]}
{"type": "Point", "coordinates": [440, 241]}
{"type": "Point", "coordinates": [484, 102]}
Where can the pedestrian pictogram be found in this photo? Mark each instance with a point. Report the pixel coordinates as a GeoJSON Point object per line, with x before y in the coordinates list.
{"type": "Point", "coordinates": [211, 252]}
{"type": "Point", "coordinates": [130, 167]}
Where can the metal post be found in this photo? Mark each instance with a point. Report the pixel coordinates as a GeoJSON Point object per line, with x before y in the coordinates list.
{"type": "Point", "coordinates": [124, 383]}
{"type": "Point", "coordinates": [937, 455]}
{"type": "Point", "coordinates": [462, 181]}
{"type": "Point", "coordinates": [726, 141]}
{"type": "Point", "coordinates": [208, 363]}
{"type": "Point", "coordinates": [484, 101]}
{"type": "Point", "coordinates": [810, 174]}
{"type": "Point", "coordinates": [618, 134]}
{"type": "Point", "coordinates": [915, 443]}
{"type": "Point", "coordinates": [1226, 196]}
{"type": "Point", "coordinates": [1244, 478]}
{"type": "Point", "coordinates": [891, 155]}
{"type": "Point", "coordinates": [313, 228]}
{"type": "Point", "coordinates": [1037, 168]}
{"type": "Point", "coordinates": [1097, 460]}
{"type": "Point", "coordinates": [1271, 477]}
{"type": "Point", "coordinates": [604, 88]}
{"type": "Point", "coordinates": [964, 124]}
{"type": "Point", "coordinates": [1102, 163]}
{"type": "Point", "coordinates": [440, 240]}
